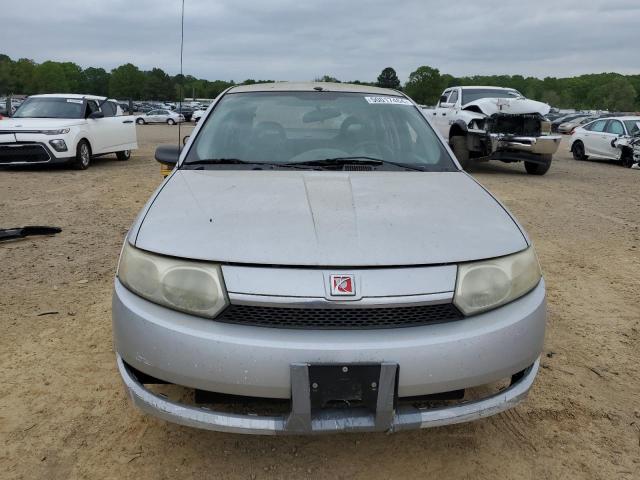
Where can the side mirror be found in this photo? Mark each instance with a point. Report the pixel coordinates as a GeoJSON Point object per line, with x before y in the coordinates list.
{"type": "Point", "coordinates": [185, 139]}
{"type": "Point", "coordinates": [168, 154]}
{"type": "Point", "coordinates": [96, 115]}
{"type": "Point", "coordinates": [443, 98]}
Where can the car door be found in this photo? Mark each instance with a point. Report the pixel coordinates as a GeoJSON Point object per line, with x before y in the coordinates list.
{"type": "Point", "coordinates": [441, 113]}
{"type": "Point", "coordinates": [96, 128]}
{"type": "Point", "coordinates": [613, 131]}
{"type": "Point", "coordinates": [162, 116]}
{"type": "Point", "coordinates": [119, 130]}
{"type": "Point", "coordinates": [593, 138]}
{"type": "Point", "coordinates": [154, 116]}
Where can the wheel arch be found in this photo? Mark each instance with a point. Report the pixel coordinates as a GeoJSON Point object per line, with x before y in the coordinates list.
{"type": "Point", "coordinates": [458, 128]}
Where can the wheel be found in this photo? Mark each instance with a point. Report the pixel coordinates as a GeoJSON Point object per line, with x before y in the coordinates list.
{"type": "Point", "coordinates": [140, 121]}
{"type": "Point", "coordinates": [538, 168]}
{"type": "Point", "coordinates": [83, 155]}
{"type": "Point", "coordinates": [124, 155]}
{"type": "Point", "coordinates": [459, 147]}
{"type": "Point", "coordinates": [626, 159]}
{"type": "Point", "coordinates": [578, 151]}
{"type": "Point", "coordinates": [171, 121]}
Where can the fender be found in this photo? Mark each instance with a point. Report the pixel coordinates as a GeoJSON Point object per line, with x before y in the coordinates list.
{"type": "Point", "coordinates": [457, 126]}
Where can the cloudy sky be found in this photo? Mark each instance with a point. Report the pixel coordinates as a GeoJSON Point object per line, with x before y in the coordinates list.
{"type": "Point", "coordinates": [348, 39]}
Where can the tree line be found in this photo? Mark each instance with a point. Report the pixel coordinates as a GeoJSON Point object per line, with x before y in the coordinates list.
{"type": "Point", "coordinates": [603, 91]}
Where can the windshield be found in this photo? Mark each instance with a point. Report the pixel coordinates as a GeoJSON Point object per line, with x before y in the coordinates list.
{"type": "Point", "coordinates": [297, 127]}
{"type": "Point", "coordinates": [633, 126]}
{"type": "Point", "coordinates": [48, 107]}
{"type": "Point", "coordinates": [472, 94]}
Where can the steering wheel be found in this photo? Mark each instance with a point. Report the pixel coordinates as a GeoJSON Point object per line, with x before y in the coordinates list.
{"type": "Point", "coordinates": [269, 129]}
{"type": "Point", "coordinates": [351, 120]}
{"type": "Point", "coordinates": [380, 148]}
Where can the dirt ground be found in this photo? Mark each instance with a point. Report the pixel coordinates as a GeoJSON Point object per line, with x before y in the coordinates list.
{"type": "Point", "coordinates": [64, 414]}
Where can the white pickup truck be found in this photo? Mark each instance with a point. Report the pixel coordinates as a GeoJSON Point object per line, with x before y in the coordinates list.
{"type": "Point", "coordinates": [493, 123]}
{"type": "Point", "coordinates": [66, 128]}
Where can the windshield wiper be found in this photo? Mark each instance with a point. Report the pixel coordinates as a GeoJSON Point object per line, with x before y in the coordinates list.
{"type": "Point", "coordinates": [359, 159]}
{"type": "Point", "coordinates": [237, 161]}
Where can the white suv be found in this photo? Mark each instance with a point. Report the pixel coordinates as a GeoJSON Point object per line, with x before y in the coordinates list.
{"type": "Point", "coordinates": [65, 128]}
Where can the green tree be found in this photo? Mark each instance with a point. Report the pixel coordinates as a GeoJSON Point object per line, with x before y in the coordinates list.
{"type": "Point", "coordinates": [388, 79]}
{"type": "Point", "coordinates": [158, 85]}
{"type": "Point", "coordinates": [5, 74]}
{"type": "Point", "coordinates": [95, 81]}
{"type": "Point", "coordinates": [50, 77]}
{"type": "Point", "coordinates": [618, 95]}
{"type": "Point", "coordinates": [22, 73]}
{"type": "Point", "coordinates": [126, 81]}
{"type": "Point", "coordinates": [425, 85]}
{"type": "Point", "coordinates": [327, 78]}
{"type": "Point", "coordinates": [73, 76]}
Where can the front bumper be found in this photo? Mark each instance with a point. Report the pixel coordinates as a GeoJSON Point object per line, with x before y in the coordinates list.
{"type": "Point", "coordinates": [256, 361]}
{"type": "Point", "coordinates": [545, 145]}
{"type": "Point", "coordinates": [31, 153]}
{"type": "Point", "coordinates": [405, 418]}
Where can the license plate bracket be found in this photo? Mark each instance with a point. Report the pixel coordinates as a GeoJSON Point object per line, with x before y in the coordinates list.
{"type": "Point", "coordinates": [332, 385]}
{"type": "Point", "coordinates": [313, 407]}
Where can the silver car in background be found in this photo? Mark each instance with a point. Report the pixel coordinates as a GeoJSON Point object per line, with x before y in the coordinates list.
{"type": "Point", "coordinates": [318, 262]}
{"type": "Point", "coordinates": [160, 116]}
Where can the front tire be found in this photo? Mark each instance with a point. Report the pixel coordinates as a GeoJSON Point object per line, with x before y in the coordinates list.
{"type": "Point", "coordinates": [578, 151]}
{"type": "Point", "coordinates": [538, 168]}
{"type": "Point", "coordinates": [459, 147]}
{"type": "Point", "coordinates": [626, 160]}
{"type": "Point", "coordinates": [140, 121]}
{"type": "Point", "coordinates": [171, 121]}
{"type": "Point", "coordinates": [83, 156]}
{"type": "Point", "coordinates": [124, 155]}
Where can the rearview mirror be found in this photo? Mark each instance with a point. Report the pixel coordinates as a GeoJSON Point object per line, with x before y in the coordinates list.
{"type": "Point", "coordinates": [96, 115]}
{"type": "Point", "coordinates": [168, 154]}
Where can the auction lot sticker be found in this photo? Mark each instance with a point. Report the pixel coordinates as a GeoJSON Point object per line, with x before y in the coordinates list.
{"type": "Point", "coordinates": [388, 100]}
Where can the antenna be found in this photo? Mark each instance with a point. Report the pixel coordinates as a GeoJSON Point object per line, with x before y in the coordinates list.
{"type": "Point", "coordinates": [180, 90]}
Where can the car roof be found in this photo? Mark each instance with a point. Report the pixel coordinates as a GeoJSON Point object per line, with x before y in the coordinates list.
{"type": "Point", "coordinates": [70, 95]}
{"type": "Point", "coordinates": [313, 86]}
{"type": "Point", "coordinates": [628, 117]}
{"type": "Point", "coordinates": [465, 87]}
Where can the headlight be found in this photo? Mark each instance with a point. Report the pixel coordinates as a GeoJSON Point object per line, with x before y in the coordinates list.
{"type": "Point", "coordinates": [545, 127]}
{"type": "Point", "coordinates": [62, 131]}
{"type": "Point", "coordinates": [488, 284]}
{"type": "Point", "coordinates": [188, 286]}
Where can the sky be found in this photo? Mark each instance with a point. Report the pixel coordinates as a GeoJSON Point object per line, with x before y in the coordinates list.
{"type": "Point", "coordinates": [347, 39]}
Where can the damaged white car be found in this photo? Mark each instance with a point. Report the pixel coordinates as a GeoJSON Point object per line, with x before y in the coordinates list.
{"type": "Point", "coordinates": [493, 123]}
{"type": "Point", "coordinates": [614, 138]}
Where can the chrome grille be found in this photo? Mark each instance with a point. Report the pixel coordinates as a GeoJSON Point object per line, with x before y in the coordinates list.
{"type": "Point", "coordinates": [336, 318]}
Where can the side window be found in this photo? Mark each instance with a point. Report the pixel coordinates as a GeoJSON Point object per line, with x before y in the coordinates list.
{"type": "Point", "coordinates": [92, 106]}
{"type": "Point", "coordinates": [598, 126]}
{"type": "Point", "coordinates": [454, 97]}
{"type": "Point", "coordinates": [615, 127]}
{"type": "Point", "coordinates": [153, 112]}
{"type": "Point", "coordinates": [109, 109]}
{"type": "Point", "coordinates": [445, 96]}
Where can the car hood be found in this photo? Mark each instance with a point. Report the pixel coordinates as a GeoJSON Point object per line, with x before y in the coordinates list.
{"type": "Point", "coordinates": [29, 124]}
{"type": "Point", "coordinates": [316, 218]}
{"type": "Point", "coordinates": [515, 106]}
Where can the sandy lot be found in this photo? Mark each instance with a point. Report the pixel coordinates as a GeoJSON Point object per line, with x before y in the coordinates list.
{"type": "Point", "coordinates": [64, 414]}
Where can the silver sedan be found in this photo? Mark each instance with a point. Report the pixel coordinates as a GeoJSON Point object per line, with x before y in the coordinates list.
{"type": "Point", "coordinates": [318, 261]}
{"type": "Point", "coordinates": [160, 116]}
